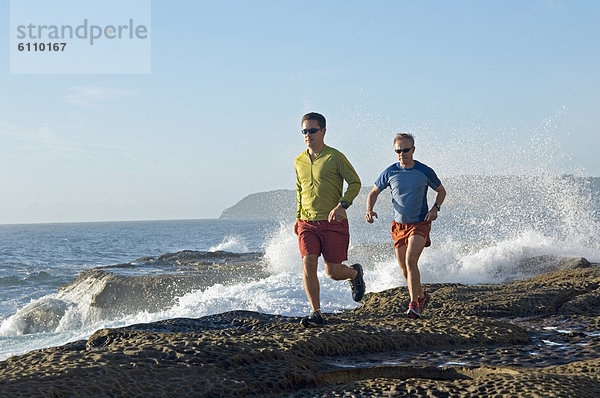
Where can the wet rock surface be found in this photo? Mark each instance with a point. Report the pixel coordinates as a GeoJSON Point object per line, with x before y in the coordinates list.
{"type": "Point", "coordinates": [535, 337]}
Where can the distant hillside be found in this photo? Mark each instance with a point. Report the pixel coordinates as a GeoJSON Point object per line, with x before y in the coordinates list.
{"type": "Point", "coordinates": [272, 205]}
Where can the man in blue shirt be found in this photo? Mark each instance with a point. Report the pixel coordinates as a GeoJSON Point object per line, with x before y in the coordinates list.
{"type": "Point", "coordinates": [408, 180]}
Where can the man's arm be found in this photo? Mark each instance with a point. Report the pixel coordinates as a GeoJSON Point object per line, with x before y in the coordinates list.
{"type": "Point", "coordinates": [299, 201]}
{"type": "Point", "coordinates": [349, 174]}
{"type": "Point", "coordinates": [440, 195]}
{"type": "Point", "coordinates": [351, 177]}
{"type": "Point", "coordinates": [371, 199]}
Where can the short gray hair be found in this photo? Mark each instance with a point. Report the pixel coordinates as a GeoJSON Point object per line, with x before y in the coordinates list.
{"type": "Point", "coordinates": [405, 136]}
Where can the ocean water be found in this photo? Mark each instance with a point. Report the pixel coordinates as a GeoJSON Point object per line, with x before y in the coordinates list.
{"type": "Point", "coordinates": [62, 282]}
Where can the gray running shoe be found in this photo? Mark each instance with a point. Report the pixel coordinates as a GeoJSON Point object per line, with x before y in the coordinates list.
{"type": "Point", "coordinates": [414, 310]}
{"type": "Point", "coordinates": [313, 320]}
{"type": "Point", "coordinates": [358, 283]}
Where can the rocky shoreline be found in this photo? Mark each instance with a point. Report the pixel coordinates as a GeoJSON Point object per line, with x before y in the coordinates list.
{"type": "Point", "coordinates": [534, 337]}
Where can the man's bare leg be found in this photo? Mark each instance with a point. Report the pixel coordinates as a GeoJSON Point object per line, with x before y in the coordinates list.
{"type": "Point", "coordinates": [311, 281]}
{"type": "Point", "coordinates": [416, 244]}
{"type": "Point", "coordinates": [339, 272]}
{"type": "Point", "coordinates": [408, 258]}
{"type": "Point", "coordinates": [401, 257]}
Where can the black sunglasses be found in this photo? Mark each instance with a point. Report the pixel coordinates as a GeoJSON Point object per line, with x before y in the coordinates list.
{"type": "Point", "coordinates": [311, 131]}
{"type": "Point", "coordinates": [405, 150]}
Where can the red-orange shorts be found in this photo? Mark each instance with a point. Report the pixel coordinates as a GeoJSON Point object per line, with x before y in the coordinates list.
{"type": "Point", "coordinates": [401, 232]}
{"type": "Point", "coordinates": [331, 239]}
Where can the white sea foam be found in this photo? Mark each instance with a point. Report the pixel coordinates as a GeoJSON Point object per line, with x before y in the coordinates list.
{"type": "Point", "coordinates": [277, 294]}
{"type": "Point", "coordinates": [232, 244]}
{"type": "Point", "coordinates": [452, 262]}
{"type": "Point", "coordinates": [281, 250]}
{"type": "Point", "coordinates": [68, 309]}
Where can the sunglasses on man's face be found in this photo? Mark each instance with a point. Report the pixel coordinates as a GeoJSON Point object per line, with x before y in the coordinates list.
{"type": "Point", "coordinates": [311, 131]}
{"type": "Point", "coordinates": [405, 150]}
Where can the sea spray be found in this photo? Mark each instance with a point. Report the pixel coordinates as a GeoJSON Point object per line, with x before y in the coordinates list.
{"type": "Point", "coordinates": [233, 244]}
{"type": "Point", "coordinates": [490, 264]}
{"type": "Point", "coordinates": [491, 225]}
{"type": "Point", "coordinates": [281, 251]}
{"type": "Point", "coordinates": [276, 294]}
{"type": "Point", "coordinates": [69, 309]}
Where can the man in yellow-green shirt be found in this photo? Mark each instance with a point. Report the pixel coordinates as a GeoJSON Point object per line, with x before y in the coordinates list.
{"type": "Point", "coordinates": [321, 222]}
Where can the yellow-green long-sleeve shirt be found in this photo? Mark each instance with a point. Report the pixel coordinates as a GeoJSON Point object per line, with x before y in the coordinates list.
{"type": "Point", "coordinates": [319, 183]}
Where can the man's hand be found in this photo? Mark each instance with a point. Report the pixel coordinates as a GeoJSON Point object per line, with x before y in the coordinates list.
{"type": "Point", "coordinates": [371, 199]}
{"type": "Point", "coordinates": [337, 214]}
{"type": "Point", "coordinates": [369, 216]}
{"type": "Point", "coordinates": [431, 214]}
{"type": "Point", "coordinates": [296, 227]}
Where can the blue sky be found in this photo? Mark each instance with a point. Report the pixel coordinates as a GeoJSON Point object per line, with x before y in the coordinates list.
{"type": "Point", "coordinates": [487, 87]}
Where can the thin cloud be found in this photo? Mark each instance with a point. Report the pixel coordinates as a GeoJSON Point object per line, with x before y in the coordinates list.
{"type": "Point", "coordinates": [45, 139]}
{"type": "Point", "coordinates": [555, 5]}
{"type": "Point", "coordinates": [94, 96]}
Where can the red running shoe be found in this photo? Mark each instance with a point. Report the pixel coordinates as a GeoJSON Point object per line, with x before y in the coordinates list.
{"type": "Point", "coordinates": [414, 310]}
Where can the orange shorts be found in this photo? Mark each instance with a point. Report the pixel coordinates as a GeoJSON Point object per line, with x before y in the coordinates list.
{"type": "Point", "coordinates": [330, 238]}
{"type": "Point", "coordinates": [401, 232]}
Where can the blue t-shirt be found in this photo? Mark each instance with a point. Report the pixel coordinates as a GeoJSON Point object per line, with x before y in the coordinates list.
{"type": "Point", "coordinates": [409, 190]}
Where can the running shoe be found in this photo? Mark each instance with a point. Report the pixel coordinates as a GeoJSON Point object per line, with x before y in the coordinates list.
{"type": "Point", "coordinates": [358, 283]}
{"type": "Point", "coordinates": [423, 301]}
{"type": "Point", "coordinates": [313, 320]}
{"type": "Point", "coordinates": [414, 310]}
